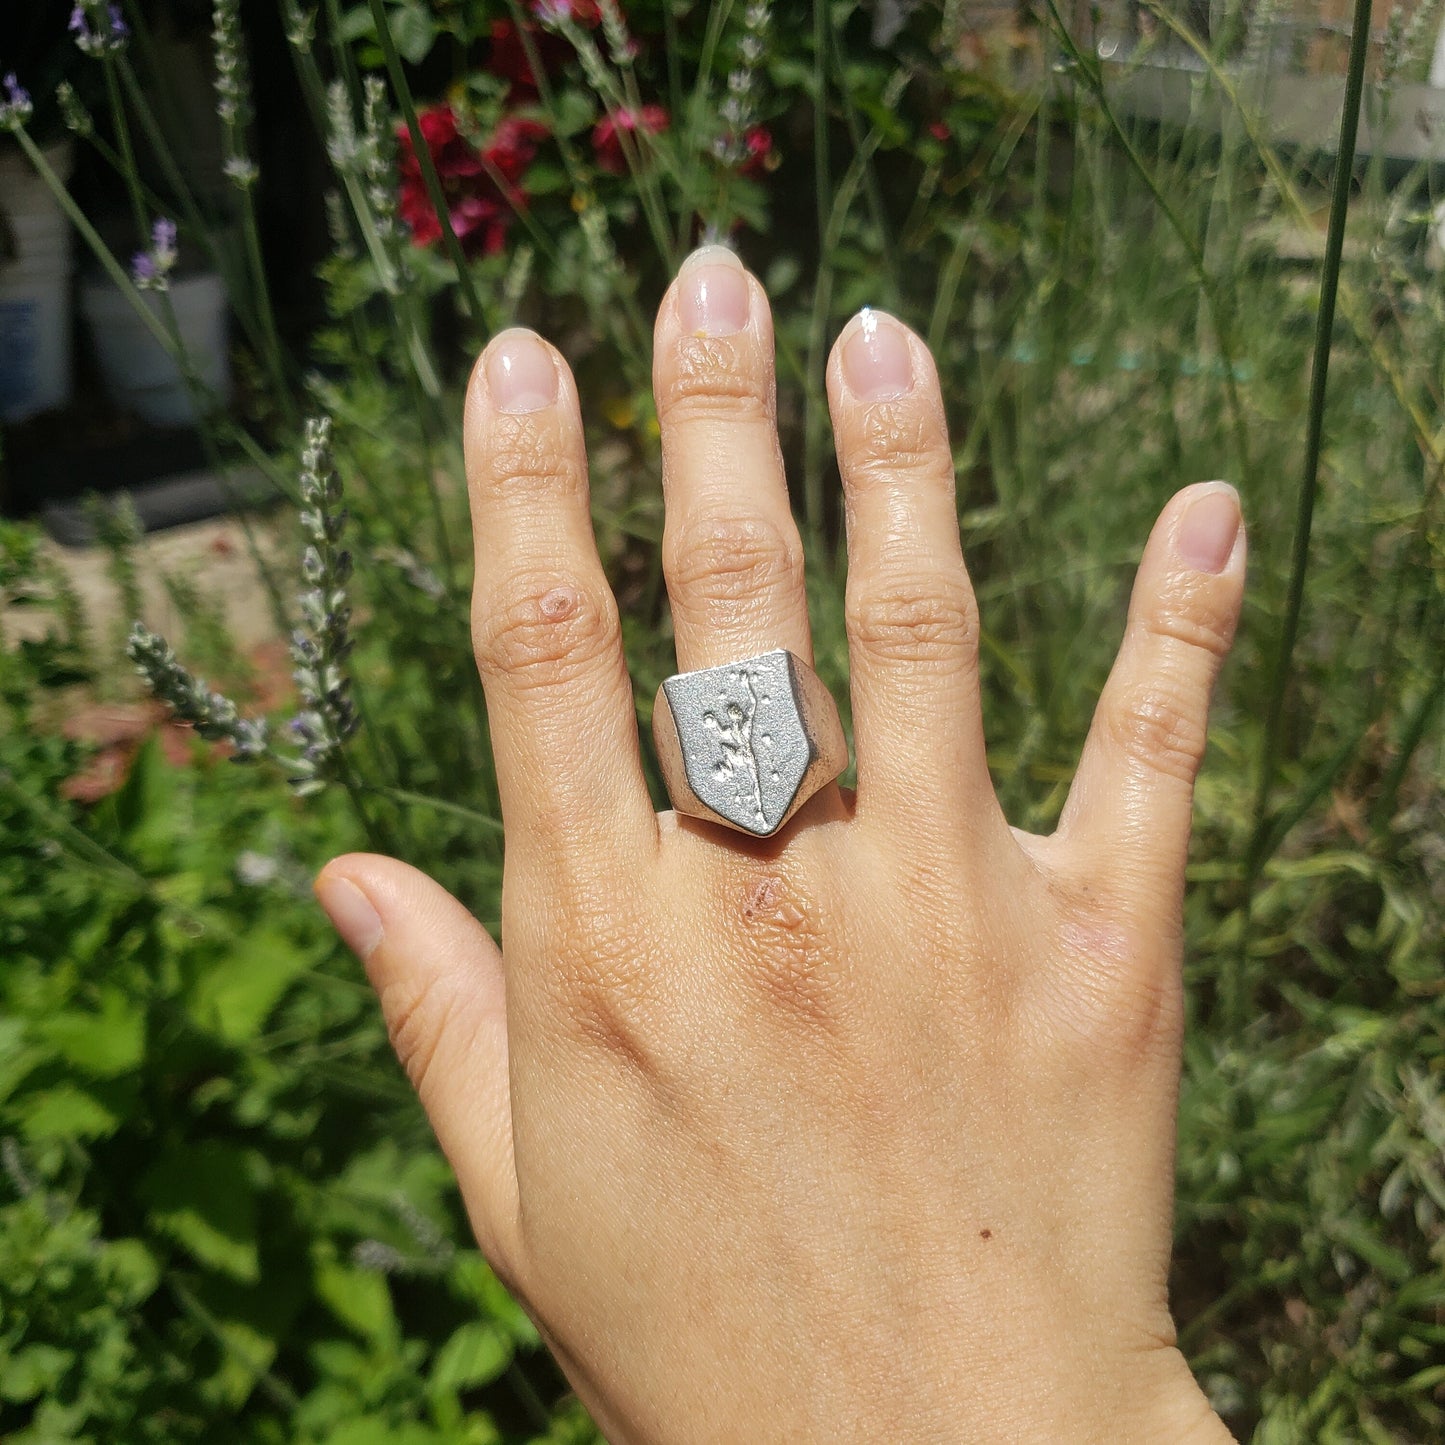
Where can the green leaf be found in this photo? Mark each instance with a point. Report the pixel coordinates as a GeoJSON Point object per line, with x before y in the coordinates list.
{"type": "Point", "coordinates": [17, 1059]}
{"type": "Point", "coordinates": [145, 807]}
{"type": "Point", "coordinates": [103, 1043]}
{"type": "Point", "coordinates": [475, 1355]}
{"type": "Point", "coordinates": [33, 1371]}
{"type": "Point", "coordinates": [381, 1432]}
{"type": "Point", "coordinates": [234, 998]}
{"type": "Point", "coordinates": [248, 1355]}
{"type": "Point", "coordinates": [414, 31]}
{"type": "Point", "coordinates": [132, 1270]}
{"type": "Point", "coordinates": [204, 1199]}
{"type": "Point", "coordinates": [357, 24]}
{"type": "Point", "coordinates": [66, 1112]}
{"type": "Point", "coordinates": [472, 1280]}
{"type": "Point", "coordinates": [359, 1299]}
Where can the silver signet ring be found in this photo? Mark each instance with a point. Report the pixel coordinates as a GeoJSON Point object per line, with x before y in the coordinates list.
{"type": "Point", "coordinates": [749, 743]}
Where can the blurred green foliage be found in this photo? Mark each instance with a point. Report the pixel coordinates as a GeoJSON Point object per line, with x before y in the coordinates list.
{"type": "Point", "coordinates": [221, 1213]}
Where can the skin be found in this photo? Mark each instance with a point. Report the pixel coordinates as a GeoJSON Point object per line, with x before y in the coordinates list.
{"type": "Point", "coordinates": [865, 1131]}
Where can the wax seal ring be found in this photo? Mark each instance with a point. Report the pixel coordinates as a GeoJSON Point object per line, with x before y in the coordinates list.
{"type": "Point", "coordinates": [747, 744]}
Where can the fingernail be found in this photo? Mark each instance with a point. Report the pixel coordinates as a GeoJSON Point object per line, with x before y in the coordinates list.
{"type": "Point", "coordinates": [712, 297]}
{"type": "Point", "coordinates": [1209, 528]}
{"type": "Point", "coordinates": [351, 912]}
{"type": "Point", "coordinates": [877, 363]}
{"type": "Point", "coordinates": [520, 373]}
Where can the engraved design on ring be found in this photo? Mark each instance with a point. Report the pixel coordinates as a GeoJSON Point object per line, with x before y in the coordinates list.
{"type": "Point", "coordinates": [748, 743]}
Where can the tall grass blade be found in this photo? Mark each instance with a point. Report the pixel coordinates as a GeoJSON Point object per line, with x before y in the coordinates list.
{"type": "Point", "coordinates": [1237, 1000]}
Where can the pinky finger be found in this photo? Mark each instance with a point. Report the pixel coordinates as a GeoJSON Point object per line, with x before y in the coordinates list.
{"type": "Point", "coordinates": [1129, 810]}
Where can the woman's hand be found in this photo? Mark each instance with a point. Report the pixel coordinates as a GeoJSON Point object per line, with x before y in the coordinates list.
{"type": "Point", "coordinates": [863, 1132]}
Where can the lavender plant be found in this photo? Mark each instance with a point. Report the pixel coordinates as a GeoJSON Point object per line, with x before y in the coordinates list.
{"type": "Point", "coordinates": [322, 645]}
{"type": "Point", "coordinates": [327, 717]}
{"type": "Point", "coordinates": [16, 108]}
{"type": "Point", "coordinates": [151, 269]}
{"type": "Point", "coordinates": [215, 716]}
{"type": "Point", "coordinates": [99, 27]}
{"type": "Point", "coordinates": [740, 110]}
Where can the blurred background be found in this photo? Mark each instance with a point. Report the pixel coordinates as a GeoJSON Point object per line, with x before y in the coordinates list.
{"type": "Point", "coordinates": [248, 252]}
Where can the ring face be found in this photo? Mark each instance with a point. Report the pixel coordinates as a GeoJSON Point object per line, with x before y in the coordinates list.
{"type": "Point", "coordinates": [748, 743]}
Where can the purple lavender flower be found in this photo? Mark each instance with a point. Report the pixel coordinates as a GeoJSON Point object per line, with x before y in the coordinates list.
{"type": "Point", "coordinates": [151, 270]}
{"type": "Point", "coordinates": [98, 33]}
{"type": "Point", "coordinates": [16, 108]}
{"type": "Point", "coordinates": [163, 240]}
{"type": "Point", "coordinates": [212, 714]}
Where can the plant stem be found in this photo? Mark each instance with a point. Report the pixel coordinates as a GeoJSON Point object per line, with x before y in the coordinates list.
{"type": "Point", "coordinates": [155, 136]}
{"type": "Point", "coordinates": [90, 236]}
{"type": "Point", "coordinates": [79, 844]}
{"type": "Point", "coordinates": [429, 174]}
{"type": "Point", "coordinates": [127, 151]}
{"type": "Point", "coordinates": [441, 805]}
{"type": "Point", "coordinates": [1219, 314]}
{"type": "Point", "coordinates": [628, 327]}
{"type": "Point", "coordinates": [262, 287]}
{"type": "Point", "coordinates": [1237, 992]}
{"type": "Point", "coordinates": [813, 396]}
{"type": "Point", "coordinates": [1417, 725]}
{"type": "Point", "coordinates": [281, 1394]}
{"type": "Point", "coordinates": [893, 289]}
{"type": "Point", "coordinates": [1354, 308]}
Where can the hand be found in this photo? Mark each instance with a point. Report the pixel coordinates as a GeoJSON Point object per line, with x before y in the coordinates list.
{"type": "Point", "coordinates": [864, 1132]}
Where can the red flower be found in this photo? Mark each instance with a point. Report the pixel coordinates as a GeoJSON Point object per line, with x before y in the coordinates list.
{"type": "Point", "coordinates": [508, 56]}
{"type": "Point", "coordinates": [758, 140]}
{"type": "Point", "coordinates": [606, 134]}
{"type": "Point", "coordinates": [939, 130]}
{"type": "Point", "coordinates": [479, 209]}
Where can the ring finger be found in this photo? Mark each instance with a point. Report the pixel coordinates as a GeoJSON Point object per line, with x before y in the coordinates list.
{"type": "Point", "coordinates": [731, 552]}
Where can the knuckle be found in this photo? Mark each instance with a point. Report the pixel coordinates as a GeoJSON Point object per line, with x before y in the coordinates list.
{"type": "Point", "coordinates": [606, 992]}
{"type": "Point", "coordinates": [528, 452]}
{"type": "Point", "coordinates": [1155, 724]}
{"type": "Point", "coordinates": [606, 1019]}
{"type": "Point", "coordinates": [541, 632]}
{"type": "Point", "coordinates": [1181, 615]}
{"type": "Point", "coordinates": [1116, 998]}
{"type": "Point", "coordinates": [716, 377]}
{"type": "Point", "coordinates": [913, 620]}
{"type": "Point", "coordinates": [732, 559]}
{"type": "Point", "coordinates": [898, 438]}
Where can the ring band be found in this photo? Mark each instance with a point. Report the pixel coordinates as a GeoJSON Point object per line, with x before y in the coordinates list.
{"type": "Point", "coordinates": [747, 744]}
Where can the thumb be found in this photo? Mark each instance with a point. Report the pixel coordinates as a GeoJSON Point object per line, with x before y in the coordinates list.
{"type": "Point", "coordinates": [438, 975]}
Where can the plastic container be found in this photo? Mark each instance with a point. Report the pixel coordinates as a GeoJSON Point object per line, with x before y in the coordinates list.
{"type": "Point", "coordinates": [35, 305]}
{"type": "Point", "coordinates": [139, 373]}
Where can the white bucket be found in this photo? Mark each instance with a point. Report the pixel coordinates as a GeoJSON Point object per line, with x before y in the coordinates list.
{"type": "Point", "coordinates": [139, 373]}
{"type": "Point", "coordinates": [35, 357]}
